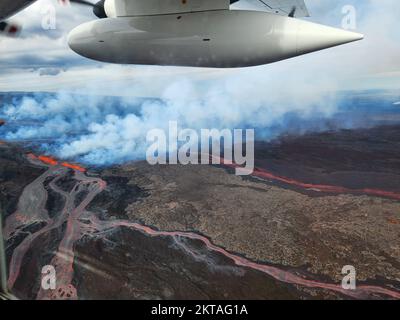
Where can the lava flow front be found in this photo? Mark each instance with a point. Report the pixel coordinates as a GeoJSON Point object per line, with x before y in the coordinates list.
{"type": "Point", "coordinates": [74, 221]}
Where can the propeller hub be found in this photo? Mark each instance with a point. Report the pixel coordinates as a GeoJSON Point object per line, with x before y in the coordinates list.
{"type": "Point", "coordinates": [99, 11]}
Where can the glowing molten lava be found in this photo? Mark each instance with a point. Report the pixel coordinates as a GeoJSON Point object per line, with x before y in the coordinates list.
{"type": "Point", "coordinates": [53, 162]}
{"type": "Point", "coordinates": [73, 166]}
{"type": "Point", "coordinates": [48, 160]}
{"type": "Point", "coordinates": [64, 258]}
{"type": "Point", "coordinates": [267, 175]}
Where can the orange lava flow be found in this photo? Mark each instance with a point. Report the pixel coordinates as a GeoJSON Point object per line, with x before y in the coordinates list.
{"type": "Point", "coordinates": [48, 160]}
{"type": "Point", "coordinates": [393, 220]}
{"type": "Point", "coordinates": [73, 166]}
{"type": "Point", "coordinates": [267, 175]}
{"type": "Point", "coordinates": [261, 173]}
{"type": "Point", "coordinates": [53, 162]}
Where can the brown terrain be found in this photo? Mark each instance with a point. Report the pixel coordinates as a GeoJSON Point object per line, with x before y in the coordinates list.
{"type": "Point", "coordinates": [314, 204]}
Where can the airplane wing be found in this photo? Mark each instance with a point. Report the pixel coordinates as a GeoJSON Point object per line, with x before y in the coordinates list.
{"type": "Point", "coordinates": [283, 7]}
{"type": "Point", "coordinates": [10, 7]}
{"type": "Point", "coordinates": [286, 7]}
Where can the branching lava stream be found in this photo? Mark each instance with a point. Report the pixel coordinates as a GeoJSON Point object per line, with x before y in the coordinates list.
{"type": "Point", "coordinates": [32, 209]}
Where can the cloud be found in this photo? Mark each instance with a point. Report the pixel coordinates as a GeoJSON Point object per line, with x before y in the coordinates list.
{"type": "Point", "coordinates": [295, 95]}
{"type": "Point", "coordinates": [103, 130]}
{"type": "Point", "coordinates": [359, 65]}
{"type": "Point", "coordinates": [43, 40]}
{"type": "Point", "coordinates": [49, 71]}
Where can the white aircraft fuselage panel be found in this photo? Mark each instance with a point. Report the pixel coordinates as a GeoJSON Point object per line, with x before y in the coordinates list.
{"type": "Point", "coordinates": [221, 39]}
{"type": "Point", "coordinates": [130, 8]}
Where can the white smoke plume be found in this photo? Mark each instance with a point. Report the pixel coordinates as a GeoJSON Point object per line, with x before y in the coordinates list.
{"type": "Point", "coordinates": [103, 130]}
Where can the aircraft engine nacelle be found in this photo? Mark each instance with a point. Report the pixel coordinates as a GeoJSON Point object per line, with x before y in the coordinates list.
{"type": "Point", "coordinates": [220, 38]}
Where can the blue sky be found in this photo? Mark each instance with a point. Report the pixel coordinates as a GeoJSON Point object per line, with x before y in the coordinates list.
{"type": "Point", "coordinates": [41, 61]}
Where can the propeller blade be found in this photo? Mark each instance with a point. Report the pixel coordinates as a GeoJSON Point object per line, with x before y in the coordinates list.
{"type": "Point", "coordinates": [86, 3]}
{"type": "Point", "coordinates": [293, 12]}
{"type": "Point", "coordinates": [98, 8]}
